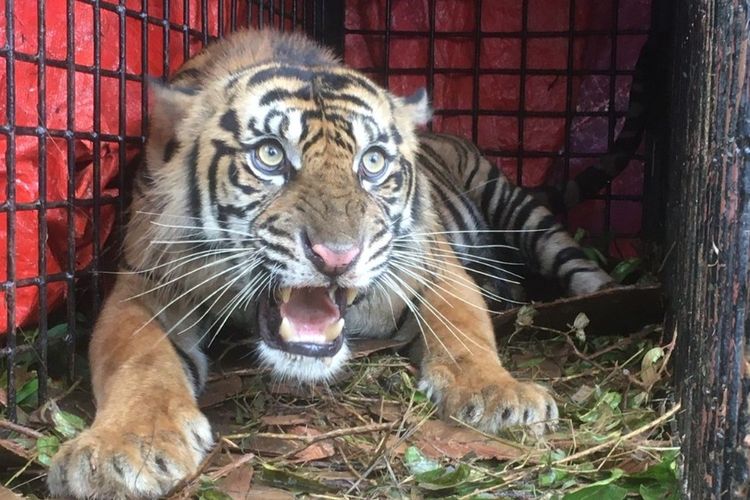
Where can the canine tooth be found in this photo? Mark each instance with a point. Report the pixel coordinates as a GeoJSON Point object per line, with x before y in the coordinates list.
{"type": "Point", "coordinates": [284, 294]}
{"type": "Point", "coordinates": [286, 330]}
{"type": "Point", "coordinates": [332, 292]}
{"type": "Point", "coordinates": [351, 294]}
{"type": "Point", "coordinates": [334, 330]}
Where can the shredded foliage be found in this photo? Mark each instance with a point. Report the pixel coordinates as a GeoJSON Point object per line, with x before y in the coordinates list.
{"type": "Point", "coordinates": [372, 434]}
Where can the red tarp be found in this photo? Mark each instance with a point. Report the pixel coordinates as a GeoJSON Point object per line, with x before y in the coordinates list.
{"type": "Point", "coordinates": [496, 92]}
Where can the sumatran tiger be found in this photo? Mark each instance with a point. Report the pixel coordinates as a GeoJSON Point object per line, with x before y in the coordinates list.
{"type": "Point", "coordinates": [292, 199]}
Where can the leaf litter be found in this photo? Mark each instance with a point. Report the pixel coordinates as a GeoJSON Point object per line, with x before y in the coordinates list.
{"type": "Point", "coordinates": [372, 434]}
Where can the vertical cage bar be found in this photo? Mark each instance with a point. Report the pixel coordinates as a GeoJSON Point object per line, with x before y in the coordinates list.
{"type": "Point", "coordinates": [10, 247]}
{"type": "Point", "coordinates": [165, 41]}
{"type": "Point", "coordinates": [220, 20]}
{"type": "Point", "coordinates": [612, 109]}
{"type": "Point", "coordinates": [475, 74]}
{"type": "Point", "coordinates": [186, 29]}
{"type": "Point", "coordinates": [569, 108]}
{"type": "Point", "coordinates": [431, 51]}
{"type": "Point", "coordinates": [522, 90]}
{"type": "Point", "coordinates": [204, 21]}
{"type": "Point", "coordinates": [233, 14]}
{"type": "Point", "coordinates": [97, 149]}
{"type": "Point", "coordinates": [121, 123]}
{"type": "Point", "coordinates": [71, 194]}
{"type": "Point", "coordinates": [41, 343]}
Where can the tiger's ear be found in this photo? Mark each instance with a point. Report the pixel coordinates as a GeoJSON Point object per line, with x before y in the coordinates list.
{"type": "Point", "coordinates": [171, 104]}
{"type": "Point", "coordinates": [416, 107]}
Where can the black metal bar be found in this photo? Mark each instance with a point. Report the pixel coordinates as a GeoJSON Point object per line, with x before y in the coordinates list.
{"type": "Point", "coordinates": [612, 118]}
{"type": "Point", "coordinates": [522, 90]}
{"type": "Point", "coordinates": [328, 24]}
{"type": "Point", "coordinates": [71, 338]}
{"type": "Point", "coordinates": [97, 150]}
{"type": "Point", "coordinates": [10, 161]}
{"type": "Point", "coordinates": [41, 341]}
{"type": "Point", "coordinates": [475, 75]}
{"type": "Point", "coordinates": [569, 108]}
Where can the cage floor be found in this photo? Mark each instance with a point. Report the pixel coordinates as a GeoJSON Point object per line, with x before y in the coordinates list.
{"type": "Point", "coordinates": [371, 434]}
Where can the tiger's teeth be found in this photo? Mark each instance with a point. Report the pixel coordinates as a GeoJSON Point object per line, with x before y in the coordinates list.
{"type": "Point", "coordinates": [286, 331]}
{"type": "Point", "coordinates": [284, 294]}
{"type": "Point", "coordinates": [332, 292]}
{"type": "Point", "coordinates": [333, 330]}
{"type": "Point", "coordinates": [328, 361]}
{"type": "Point", "coordinates": [351, 294]}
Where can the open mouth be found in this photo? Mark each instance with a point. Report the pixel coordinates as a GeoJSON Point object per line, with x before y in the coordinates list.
{"type": "Point", "coordinates": [307, 321]}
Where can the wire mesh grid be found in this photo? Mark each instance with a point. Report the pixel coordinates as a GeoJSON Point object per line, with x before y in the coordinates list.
{"type": "Point", "coordinates": [540, 86]}
{"type": "Point", "coordinates": [73, 88]}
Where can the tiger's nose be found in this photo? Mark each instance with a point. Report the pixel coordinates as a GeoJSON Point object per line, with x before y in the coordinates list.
{"type": "Point", "coordinates": [330, 259]}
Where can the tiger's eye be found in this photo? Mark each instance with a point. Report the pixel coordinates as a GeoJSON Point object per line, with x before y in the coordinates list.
{"type": "Point", "coordinates": [373, 164]}
{"type": "Point", "coordinates": [270, 154]}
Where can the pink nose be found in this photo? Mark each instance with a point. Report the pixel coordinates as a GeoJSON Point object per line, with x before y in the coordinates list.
{"type": "Point", "coordinates": [335, 259]}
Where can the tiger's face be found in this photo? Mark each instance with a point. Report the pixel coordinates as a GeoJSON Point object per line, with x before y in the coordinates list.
{"type": "Point", "coordinates": [316, 166]}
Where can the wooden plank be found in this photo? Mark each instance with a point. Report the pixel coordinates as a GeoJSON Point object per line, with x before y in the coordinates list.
{"type": "Point", "coordinates": [708, 226]}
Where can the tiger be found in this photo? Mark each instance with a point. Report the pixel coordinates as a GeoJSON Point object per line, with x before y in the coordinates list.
{"type": "Point", "coordinates": [290, 198]}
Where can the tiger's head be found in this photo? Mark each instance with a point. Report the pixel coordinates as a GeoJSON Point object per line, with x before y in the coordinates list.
{"type": "Point", "coordinates": [304, 171]}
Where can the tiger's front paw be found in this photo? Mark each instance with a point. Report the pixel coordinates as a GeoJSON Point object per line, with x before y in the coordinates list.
{"type": "Point", "coordinates": [141, 456]}
{"type": "Point", "coordinates": [488, 398]}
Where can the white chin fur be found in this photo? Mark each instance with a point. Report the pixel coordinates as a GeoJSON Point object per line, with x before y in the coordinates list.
{"type": "Point", "coordinates": [302, 368]}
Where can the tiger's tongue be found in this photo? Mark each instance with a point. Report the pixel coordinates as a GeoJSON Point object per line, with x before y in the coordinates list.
{"type": "Point", "coordinates": [310, 312]}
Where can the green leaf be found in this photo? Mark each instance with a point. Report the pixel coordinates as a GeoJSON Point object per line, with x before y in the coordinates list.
{"type": "Point", "coordinates": [417, 463]}
{"type": "Point", "coordinates": [291, 481]}
{"type": "Point", "coordinates": [598, 492]}
{"type": "Point", "coordinates": [208, 491]}
{"type": "Point", "coordinates": [606, 489]}
{"type": "Point", "coordinates": [551, 477]}
{"type": "Point", "coordinates": [625, 268]}
{"type": "Point", "coordinates": [659, 491]}
{"type": "Point", "coordinates": [46, 447]}
{"type": "Point", "coordinates": [595, 255]}
{"type": "Point", "coordinates": [67, 424]}
{"type": "Point", "coordinates": [28, 390]}
{"type": "Point", "coordinates": [440, 479]}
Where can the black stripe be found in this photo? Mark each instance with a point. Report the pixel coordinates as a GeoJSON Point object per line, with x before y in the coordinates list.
{"type": "Point", "coordinates": [568, 276]}
{"type": "Point", "coordinates": [565, 255]}
{"type": "Point", "coordinates": [230, 122]}
{"type": "Point", "coordinates": [279, 249]}
{"type": "Point", "coordinates": [190, 367]}
{"type": "Point", "coordinates": [489, 190]}
{"type": "Point", "coordinates": [169, 149]}
{"type": "Point", "coordinates": [196, 209]}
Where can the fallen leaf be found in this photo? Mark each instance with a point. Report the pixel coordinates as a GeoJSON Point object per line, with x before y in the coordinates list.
{"type": "Point", "coordinates": [260, 492]}
{"type": "Point", "coordinates": [269, 446]}
{"type": "Point", "coordinates": [363, 348]}
{"type": "Point", "coordinates": [316, 451]}
{"type": "Point", "coordinates": [220, 390]}
{"type": "Point", "coordinates": [388, 412]}
{"type": "Point", "coordinates": [438, 439]}
{"type": "Point", "coordinates": [237, 483]}
{"type": "Point", "coordinates": [284, 420]}
{"type": "Point", "coordinates": [6, 494]}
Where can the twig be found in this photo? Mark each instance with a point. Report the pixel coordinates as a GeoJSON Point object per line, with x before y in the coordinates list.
{"type": "Point", "coordinates": [581, 454]}
{"type": "Point", "coordinates": [21, 429]}
{"type": "Point", "coordinates": [308, 440]}
{"type": "Point", "coordinates": [223, 471]}
{"type": "Point", "coordinates": [240, 372]}
{"type": "Point", "coordinates": [184, 488]}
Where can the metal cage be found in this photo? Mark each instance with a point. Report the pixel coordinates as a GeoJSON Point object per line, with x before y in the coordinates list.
{"type": "Point", "coordinates": [153, 38]}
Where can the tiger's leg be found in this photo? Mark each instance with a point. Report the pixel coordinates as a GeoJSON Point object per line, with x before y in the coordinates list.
{"type": "Point", "coordinates": [148, 432]}
{"type": "Point", "coordinates": [460, 367]}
